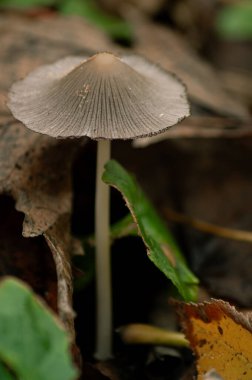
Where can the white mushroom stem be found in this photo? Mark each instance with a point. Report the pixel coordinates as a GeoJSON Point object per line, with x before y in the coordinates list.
{"type": "Point", "coordinates": [103, 267]}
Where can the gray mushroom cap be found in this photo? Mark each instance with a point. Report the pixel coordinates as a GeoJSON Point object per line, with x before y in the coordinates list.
{"type": "Point", "coordinates": [103, 96]}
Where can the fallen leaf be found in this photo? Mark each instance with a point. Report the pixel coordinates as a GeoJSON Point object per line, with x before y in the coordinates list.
{"type": "Point", "coordinates": [27, 45]}
{"type": "Point", "coordinates": [173, 53]}
{"type": "Point", "coordinates": [239, 83]}
{"type": "Point", "coordinates": [204, 127]}
{"type": "Point", "coordinates": [28, 259]}
{"type": "Point", "coordinates": [221, 338]}
{"type": "Point", "coordinates": [164, 47]}
{"type": "Point", "coordinates": [60, 243]}
{"type": "Point", "coordinates": [38, 176]}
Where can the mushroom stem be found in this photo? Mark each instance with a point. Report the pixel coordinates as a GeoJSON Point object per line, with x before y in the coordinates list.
{"type": "Point", "coordinates": [103, 267]}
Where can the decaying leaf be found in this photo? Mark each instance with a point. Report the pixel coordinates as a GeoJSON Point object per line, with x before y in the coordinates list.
{"type": "Point", "coordinates": [59, 241]}
{"type": "Point", "coordinates": [38, 176]}
{"type": "Point", "coordinates": [26, 45]}
{"type": "Point", "coordinates": [239, 83]}
{"type": "Point", "coordinates": [174, 54]}
{"type": "Point", "coordinates": [221, 338]}
{"type": "Point", "coordinates": [165, 47]}
{"type": "Point", "coordinates": [201, 127]}
{"type": "Point", "coordinates": [28, 259]}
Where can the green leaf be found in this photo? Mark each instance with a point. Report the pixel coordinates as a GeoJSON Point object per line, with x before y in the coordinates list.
{"type": "Point", "coordinates": [114, 26]}
{"type": "Point", "coordinates": [85, 265]}
{"type": "Point", "coordinates": [124, 227]}
{"type": "Point", "coordinates": [235, 21]}
{"type": "Point", "coordinates": [4, 373]}
{"type": "Point", "coordinates": [32, 343]}
{"type": "Point", "coordinates": [162, 248]}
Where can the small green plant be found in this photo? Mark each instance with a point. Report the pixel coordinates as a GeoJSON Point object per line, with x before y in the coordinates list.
{"type": "Point", "coordinates": [144, 222]}
{"type": "Point", "coordinates": [235, 21]}
{"type": "Point", "coordinates": [115, 27]}
{"type": "Point", "coordinates": [162, 249]}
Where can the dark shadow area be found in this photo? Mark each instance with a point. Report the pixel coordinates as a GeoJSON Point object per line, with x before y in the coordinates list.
{"type": "Point", "coordinates": [136, 281]}
{"type": "Point", "coordinates": [28, 259]}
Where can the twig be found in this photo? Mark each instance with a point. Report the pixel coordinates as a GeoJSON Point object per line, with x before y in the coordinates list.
{"type": "Point", "coordinates": [228, 233]}
{"type": "Point", "coordinates": [146, 334]}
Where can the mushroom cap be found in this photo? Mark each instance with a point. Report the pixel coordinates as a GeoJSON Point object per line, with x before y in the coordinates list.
{"type": "Point", "coordinates": [103, 96]}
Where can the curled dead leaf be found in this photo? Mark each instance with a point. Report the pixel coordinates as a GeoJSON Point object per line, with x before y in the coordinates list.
{"type": "Point", "coordinates": [28, 259]}
{"type": "Point", "coordinates": [37, 176]}
{"type": "Point", "coordinates": [59, 239]}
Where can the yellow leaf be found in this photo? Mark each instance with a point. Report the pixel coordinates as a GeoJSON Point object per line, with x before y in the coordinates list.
{"type": "Point", "coordinates": [221, 338]}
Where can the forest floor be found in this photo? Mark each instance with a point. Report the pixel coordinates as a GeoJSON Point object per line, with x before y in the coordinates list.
{"type": "Point", "coordinates": [200, 168]}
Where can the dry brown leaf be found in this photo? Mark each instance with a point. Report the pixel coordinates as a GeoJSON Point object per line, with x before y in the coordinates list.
{"type": "Point", "coordinates": [149, 7]}
{"type": "Point", "coordinates": [72, 35]}
{"type": "Point", "coordinates": [38, 176]}
{"type": "Point", "coordinates": [65, 32]}
{"type": "Point", "coordinates": [201, 127]}
{"type": "Point", "coordinates": [28, 43]}
{"type": "Point", "coordinates": [59, 240]}
{"type": "Point", "coordinates": [45, 268]}
{"type": "Point", "coordinates": [221, 338]}
{"type": "Point", "coordinates": [172, 52]}
{"type": "Point", "coordinates": [239, 83]}
{"type": "Point", "coordinates": [28, 259]}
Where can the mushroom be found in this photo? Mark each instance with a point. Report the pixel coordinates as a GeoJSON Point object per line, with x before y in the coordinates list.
{"type": "Point", "coordinates": [103, 97]}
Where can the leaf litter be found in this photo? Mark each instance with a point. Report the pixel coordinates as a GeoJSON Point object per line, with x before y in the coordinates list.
{"type": "Point", "coordinates": [38, 177]}
{"type": "Point", "coordinates": [43, 46]}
